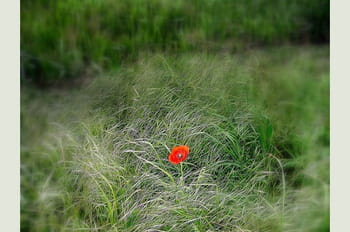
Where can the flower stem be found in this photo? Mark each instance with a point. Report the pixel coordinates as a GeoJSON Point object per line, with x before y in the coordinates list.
{"type": "Point", "coordinates": [182, 174]}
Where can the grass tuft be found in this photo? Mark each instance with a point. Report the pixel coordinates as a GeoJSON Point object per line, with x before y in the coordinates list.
{"type": "Point", "coordinates": [96, 158]}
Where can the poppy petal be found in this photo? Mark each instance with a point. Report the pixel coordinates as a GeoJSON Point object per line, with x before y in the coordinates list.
{"type": "Point", "coordinates": [178, 154]}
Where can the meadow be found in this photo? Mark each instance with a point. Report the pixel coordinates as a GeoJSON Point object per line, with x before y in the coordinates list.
{"type": "Point", "coordinates": [63, 40]}
{"type": "Point", "coordinates": [247, 93]}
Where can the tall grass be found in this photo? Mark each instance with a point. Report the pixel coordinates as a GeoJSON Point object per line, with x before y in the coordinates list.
{"type": "Point", "coordinates": [96, 158]}
{"type": "Point", "coordinates": [69, 39]}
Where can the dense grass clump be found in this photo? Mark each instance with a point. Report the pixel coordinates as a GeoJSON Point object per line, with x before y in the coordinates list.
{"type": "Point", "coordinates": [70, 39]}
{"type": "Point", "coordinates": [95, 158]}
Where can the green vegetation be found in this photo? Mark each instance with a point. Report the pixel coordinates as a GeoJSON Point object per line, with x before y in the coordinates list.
{"type": "Point", "coordinates": [94, 158]}
{"type": "Point", "coordinates": [70, 39]}
{"type": "Point", "coordinates": [109, 87]}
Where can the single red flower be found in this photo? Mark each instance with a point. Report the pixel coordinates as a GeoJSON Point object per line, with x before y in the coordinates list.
{"type": "Point", "coordinates": [179, 154]}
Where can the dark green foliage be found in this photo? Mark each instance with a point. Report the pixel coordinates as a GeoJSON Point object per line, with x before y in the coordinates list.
{"type": "Point", "coordinates": [316, 21]}
{"type": "Point", "coordinates": [68, 39]}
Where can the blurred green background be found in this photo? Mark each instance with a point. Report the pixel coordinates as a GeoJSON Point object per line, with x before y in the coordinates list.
{"type": "Point", "coordinates": [69, 39]}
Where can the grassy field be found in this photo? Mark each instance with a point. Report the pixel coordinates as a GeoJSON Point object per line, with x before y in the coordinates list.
{"type": "Point", "coordinates": [94, 158]}
{"type": "Point", "coordinates": [108, 88]}
{"type": "Point", "coordinates": [67, 39]}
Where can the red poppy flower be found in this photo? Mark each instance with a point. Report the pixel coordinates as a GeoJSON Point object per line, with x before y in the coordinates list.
{"type": "Point", "coordinates": [179, 154]}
